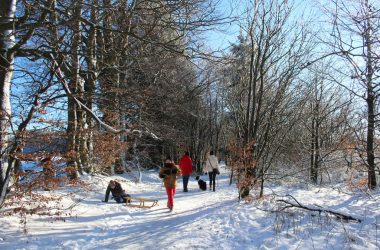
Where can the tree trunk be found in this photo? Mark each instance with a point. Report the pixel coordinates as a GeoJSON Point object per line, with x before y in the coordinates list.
{"type": "Point", "coordinates": [89, 89]}
{"type": "Point", "coordinates": [75, 114]}
{"type": "Point", "coordinates": [370, 138]}
{"type": "Point", "coordinates": [7, 40]}
{"type": "Point", "coordinates": [371, 104]}
{"type": "Point", "coordinates": [313, 178]}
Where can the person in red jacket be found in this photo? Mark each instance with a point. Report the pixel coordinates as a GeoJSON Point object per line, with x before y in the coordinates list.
{"type": "Point", "coordinates": [186, 166]}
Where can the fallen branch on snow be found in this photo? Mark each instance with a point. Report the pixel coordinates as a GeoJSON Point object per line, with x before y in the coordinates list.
{"type": "Point", "coordinates": [320, 210]}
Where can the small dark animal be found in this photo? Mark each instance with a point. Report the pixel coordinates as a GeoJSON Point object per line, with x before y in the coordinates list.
{"type": "Point", "coordinates": [201, 183]}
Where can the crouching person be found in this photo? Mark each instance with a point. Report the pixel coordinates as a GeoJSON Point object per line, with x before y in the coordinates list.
{"type": "Point", "coordinates": [117, 192]}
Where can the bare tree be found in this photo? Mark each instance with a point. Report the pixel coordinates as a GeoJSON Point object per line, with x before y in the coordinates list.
{"type": "Point", "coordinates": [272, 50]}
{"type": "Point", "coordinates": [355, 40]}
{"type": "Point", "coordinates": [10, 45]}
{"type": "Point", "coordinates": [324, 121]}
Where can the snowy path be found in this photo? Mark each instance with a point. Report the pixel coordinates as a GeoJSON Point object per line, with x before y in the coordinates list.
{"type": "Point", "coordinates": [200, 220]}
{"type": "Point", "coordinates": [98, 225]}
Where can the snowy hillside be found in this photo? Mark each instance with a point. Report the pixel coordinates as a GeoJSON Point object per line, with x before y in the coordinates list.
{"type": "Point", "coordinates": [200, 220]}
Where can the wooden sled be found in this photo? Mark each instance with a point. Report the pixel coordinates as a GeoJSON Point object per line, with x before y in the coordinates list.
{"type": "Point", "coordinates": [140, 202]}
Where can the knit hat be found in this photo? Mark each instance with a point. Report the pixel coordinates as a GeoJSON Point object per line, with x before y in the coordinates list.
{"type": "Point", "coordinates": [168, 159]}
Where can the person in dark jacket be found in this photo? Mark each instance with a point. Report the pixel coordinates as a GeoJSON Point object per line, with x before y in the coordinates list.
{"type": "Point", "coordinates": [169, 173]}
{"type": "Point", "coordinates": [117, 192]}
{"type": "Point", "coordinates": [186, 166]}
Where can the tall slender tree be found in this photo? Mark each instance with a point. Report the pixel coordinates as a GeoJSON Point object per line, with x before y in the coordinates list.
{"type": "Point", "coordinates": [355, 40]}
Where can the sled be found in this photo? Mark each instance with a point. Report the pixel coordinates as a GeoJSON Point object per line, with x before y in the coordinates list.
{"type": "Point", "coordinates": [140, 202]}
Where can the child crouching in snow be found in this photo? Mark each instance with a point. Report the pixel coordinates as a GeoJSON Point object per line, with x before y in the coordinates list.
{"type": "Point", "coordinates": [169, 173]}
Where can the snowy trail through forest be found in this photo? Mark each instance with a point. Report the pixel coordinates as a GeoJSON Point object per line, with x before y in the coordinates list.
{"type": "Point", "coordinates": [200, 219]}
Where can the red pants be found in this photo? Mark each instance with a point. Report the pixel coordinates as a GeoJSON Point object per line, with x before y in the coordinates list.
{"type": "Point", "coordinates": [170, 192]}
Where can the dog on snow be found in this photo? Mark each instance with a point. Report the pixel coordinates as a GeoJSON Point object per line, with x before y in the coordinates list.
{"type": "Point", "coordinates": [201, 183]}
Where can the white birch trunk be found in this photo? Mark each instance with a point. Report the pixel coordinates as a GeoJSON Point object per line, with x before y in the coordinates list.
{"type": "Point", "coordinates": [7, 41]}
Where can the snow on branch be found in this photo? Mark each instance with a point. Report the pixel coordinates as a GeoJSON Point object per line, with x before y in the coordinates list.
{"type": "Point", "coordinates": [296, 204]}
{"type": "Point", "coordinates": [59, 74]}
{"type": "Point", "coordinates": [146, 132]}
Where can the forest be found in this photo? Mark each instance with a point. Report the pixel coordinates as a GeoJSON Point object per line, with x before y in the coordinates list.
{"type": "Point", "coordinates": [108, 87]}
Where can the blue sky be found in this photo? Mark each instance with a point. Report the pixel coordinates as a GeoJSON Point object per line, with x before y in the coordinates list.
{"type": "Point", "coordinates": [222, 36]}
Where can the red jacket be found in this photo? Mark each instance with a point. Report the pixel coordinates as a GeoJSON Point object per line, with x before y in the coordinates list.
{"type": "Point", "coordinates": [186, 165]}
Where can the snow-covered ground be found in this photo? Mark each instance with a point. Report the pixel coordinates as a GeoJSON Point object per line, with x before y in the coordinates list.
{"type": "Point", "coordinates": [200, 220]}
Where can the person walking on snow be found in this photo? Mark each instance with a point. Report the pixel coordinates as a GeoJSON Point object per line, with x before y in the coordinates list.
{"type": "Point", "coordinates": [212, 168]}
{"type": "Point", "coordinates": [169, 173]}
{"type": "Point", "coordinates": [186, 166]}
